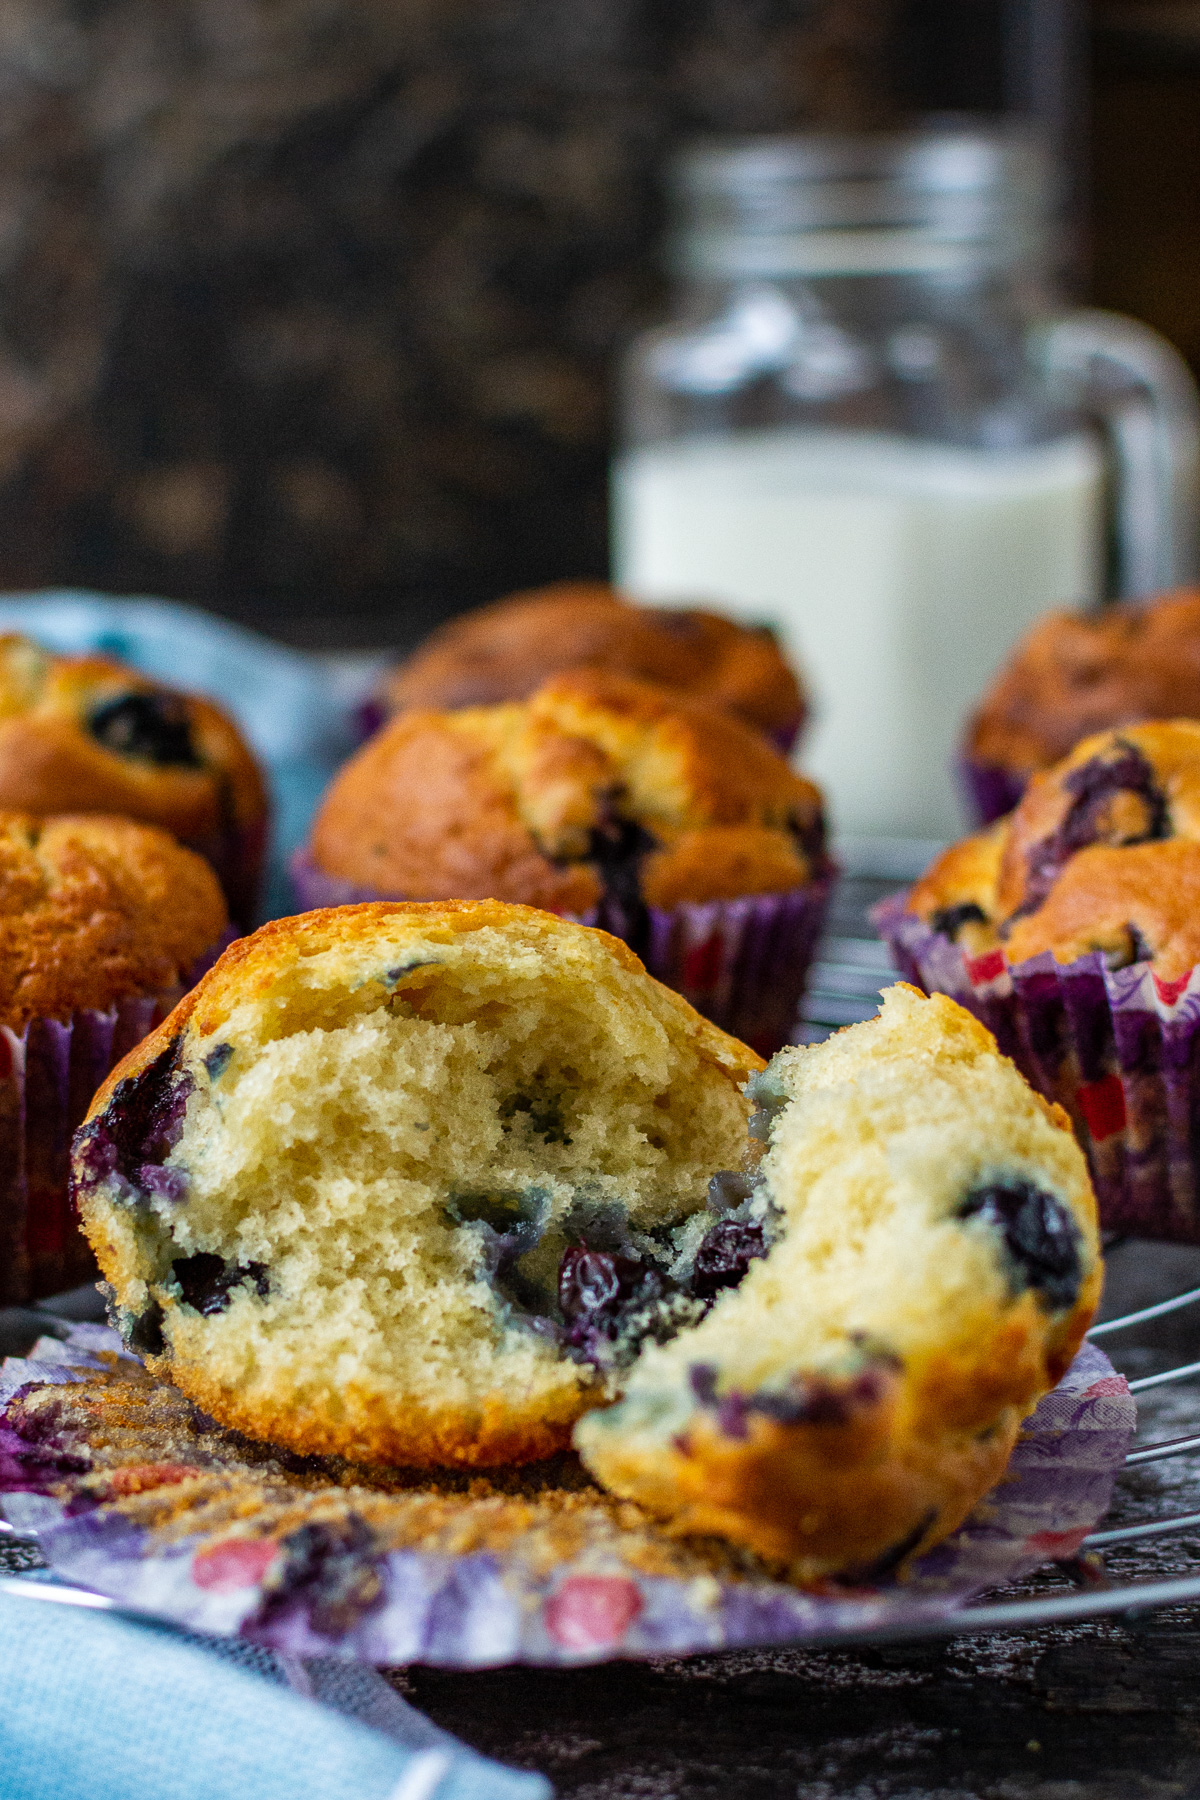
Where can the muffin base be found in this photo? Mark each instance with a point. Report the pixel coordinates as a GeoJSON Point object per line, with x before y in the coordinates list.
{"type": "Point", "coordinates": [48, 1074]}
{"type": "Point", "coordinates": [160, 1509]}
{"type": "Point", "coordinates": [1118, 1048]}
{"type": "Point", "coordinates": [741, 963]}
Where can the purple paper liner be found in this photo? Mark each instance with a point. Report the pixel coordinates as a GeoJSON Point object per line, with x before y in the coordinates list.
{"type": "Point", "coordinates": [742, 963]}
{"type": "Point", "coordinates": [237, 856]}
{"type": "Point", "coordinates": [48, 1074]}
{"type": "Point", "coordinates": [1118, 1048]}
{"type": "Point", "coordinates": [991, 790]}
{"type": "Point", "coordinates": [547, 1600]}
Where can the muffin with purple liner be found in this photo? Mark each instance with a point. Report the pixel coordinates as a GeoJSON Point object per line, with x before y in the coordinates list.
{"type": "Point", "coordinates": [673, 826]}
{"type": "Point", "coordinates": [1074, 674]}
{"type": "Point", "coordinates": [88, 734]}
{"type": "Point", "coordinates": [103, 924]}
{"type": "Point", "coordinates": [506, 651]}
{"type": "Point", "coordinates": [1072, 928]}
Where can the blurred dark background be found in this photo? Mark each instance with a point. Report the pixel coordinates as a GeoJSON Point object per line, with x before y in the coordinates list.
{"type": "Point", "coordinates": [308, 307]}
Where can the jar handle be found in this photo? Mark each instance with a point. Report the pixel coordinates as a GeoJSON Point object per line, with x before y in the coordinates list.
{"type": "Point", "coordinates": [1141, 391]}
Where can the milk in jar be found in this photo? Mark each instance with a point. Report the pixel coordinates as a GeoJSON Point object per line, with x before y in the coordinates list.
{"type": "Point", "coordinates": [871, 423]}
{"type": "Point", "coordinates": [897, 572]}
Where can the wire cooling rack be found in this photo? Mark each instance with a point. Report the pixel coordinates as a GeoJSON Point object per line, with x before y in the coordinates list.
{"type": "Point", "coordinates": [1145, 1556]}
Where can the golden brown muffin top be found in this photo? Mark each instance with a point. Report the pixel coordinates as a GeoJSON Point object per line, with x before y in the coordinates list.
{"type": "Point", "coordinates": [596, 782]}
{"type": "Point", "coordinates": [95, 910]}
{"type": "Point", "coordinates": [89, 734]}
{"type": "Point", "coordinates": [1103, 853]}
{"type": "Point", "coordinates": [507, 650]}
{"type": "Point", "coordinates": [1078, 673]}
{"type": "Point", "coordinates": [262, 967]}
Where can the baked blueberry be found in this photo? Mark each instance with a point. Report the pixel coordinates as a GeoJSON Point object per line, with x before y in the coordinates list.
{"type": "Point", "coordinates": [150, 727]}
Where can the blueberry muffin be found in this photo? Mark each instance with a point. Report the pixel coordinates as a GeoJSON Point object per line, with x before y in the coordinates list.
{"type": "Point", "coordinates": [102, 923]}
{"type": "Point", "coordinates": [920, 1262]}
{"type": "Point", "coordinates": [1072, 928]}
{"type": "Point", "coordinates": [87, 734]}
{"type": "Point", "coordinates": [410, 1182]}
{"type": "Point", "coordinates": [506, 652]}
{"type": "Point", "coordinates": [675, 827]}
{"type": "Point", "coordinates": [1102, 855]}
{"type": "Point", "coordinates": [1077, 673]}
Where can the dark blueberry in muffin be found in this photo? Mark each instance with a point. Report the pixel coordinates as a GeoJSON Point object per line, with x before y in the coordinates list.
{"type": "Point", "coordinates": [1115, 800]}
{"type": "Point", "coordinates": [140, 1127]}
{"type": "Point", "coordinates": [951, 919]}
{"type": "Point", "coordinates": [206, 1282]}
{"type": "Point", "coordinates": [724, 1255]}
{"type": "Point", "coordinates": [616, 846]}
{"type": "Point", "coordinates": [329, 1567]}
{"type": "Point", "coordinates": [604, 1296]}
{"type": "Point", "coordinates": [217, 1061]}
{"type": "Point", "coordinates": [143, 1332]}
{"type": "Point", "coordinates": [151, 728]}
{"type": "Point", "coordinates": [1040, 1236]}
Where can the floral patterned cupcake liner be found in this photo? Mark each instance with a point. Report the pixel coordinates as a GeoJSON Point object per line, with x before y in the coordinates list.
{"type": "Point", "coordinates": [742, 963]}
{"type": "Point", "coordinates": [132, 1492]}
{"type": "Point", "coordinates": [48, 1074]}
{"type": "Point", "coordinates": [1118, 1048]}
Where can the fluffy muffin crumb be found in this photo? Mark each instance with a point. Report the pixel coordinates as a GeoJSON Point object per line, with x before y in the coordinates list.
{"type": "Point", "coordinates": [337, 1191]}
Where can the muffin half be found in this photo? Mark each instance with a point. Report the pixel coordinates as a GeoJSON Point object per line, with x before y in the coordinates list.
{"type": "Point", "coordinates": [347, 1194]}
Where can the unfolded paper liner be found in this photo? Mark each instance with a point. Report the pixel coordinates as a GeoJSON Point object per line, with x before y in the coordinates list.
{"type": "Point", "coordinates": [133, 1493]}
{"type": "Point", "coordinates": [991, 789]}
{"type": "Point", "coordinates": [1118, 1048]}
{"type": "Point", "coordinates": [742, 963]}
{"type": "Point", "coordinates": [48, 1074]}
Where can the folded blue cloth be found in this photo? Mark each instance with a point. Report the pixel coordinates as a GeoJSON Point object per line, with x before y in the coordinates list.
{"type": "Point", "coordinates": [99, 1706]}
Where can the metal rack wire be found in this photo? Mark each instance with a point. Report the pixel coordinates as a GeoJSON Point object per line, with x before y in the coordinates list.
{"type": "Point", "coordinates": [1145, 1555]}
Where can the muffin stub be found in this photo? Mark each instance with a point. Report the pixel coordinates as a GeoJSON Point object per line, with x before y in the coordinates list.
{"type": "Point", "coordinates": [1075, 674]}
{"type": "Point", "coordinates": [410, 1183]}
{"type": "Point", "coordinates": [506, 651]}
{"type": "Point", "coordinates": [103, 925]}
{"type": "Point", "coordinates": [1101, 856]}
{"type": "Point", "coordinates": [921, 1263]}
{"type": "Point", "coordinates": [88, 734]}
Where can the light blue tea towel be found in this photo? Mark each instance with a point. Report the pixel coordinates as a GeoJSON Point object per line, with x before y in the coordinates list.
{"type": "Point", "coordinates": [96, 1707]}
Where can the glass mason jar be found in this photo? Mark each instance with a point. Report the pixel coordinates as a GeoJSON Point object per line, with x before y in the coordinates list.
{"type": "Point", "coordinates": [872, 426]}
